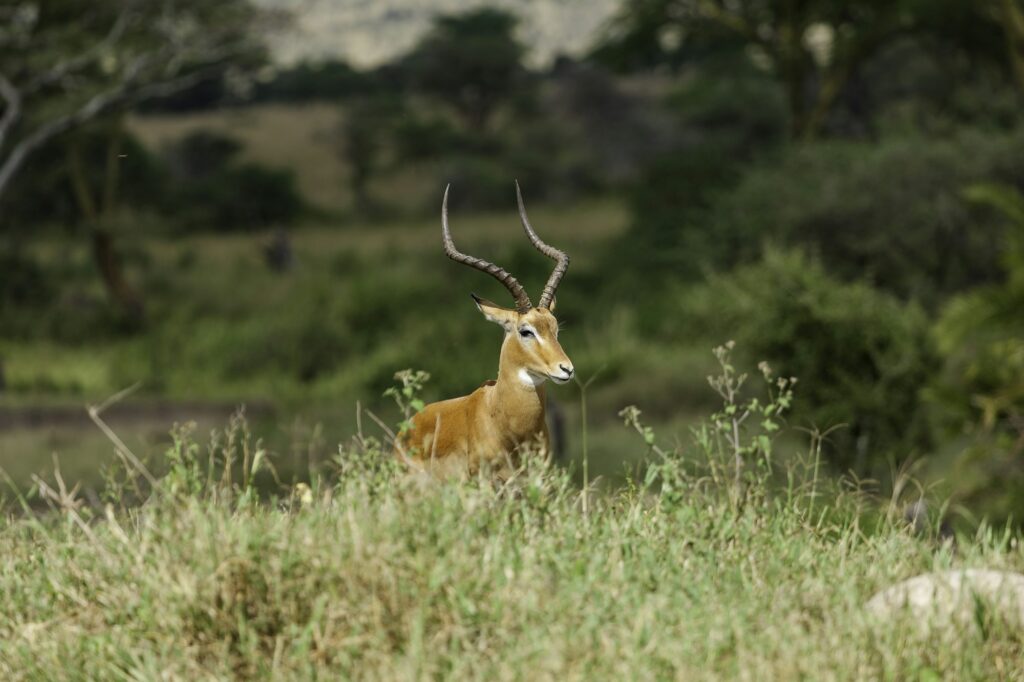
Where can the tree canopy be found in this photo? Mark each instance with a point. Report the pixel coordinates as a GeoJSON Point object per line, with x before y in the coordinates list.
{"type": "Point", "coordinates": [471, 60]}
{"type": "Point", "coordinates": [65, 62]}
{"type": "Point", "coordinates": [813, 47]}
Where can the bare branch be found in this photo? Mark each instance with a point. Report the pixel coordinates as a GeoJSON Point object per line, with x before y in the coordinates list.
{"type": "Point", "coordinates": [88, 111]}
{"type": "Point", "coordinates": [99, 104]}
{"type": "Point", "coordinates": [174, 63]}
{"type": "Point", "coordinates": [12, 110]}
{"type": "Point", "coordinates": [731, 20]}
{"type": "Point", "coordinates": [62, 69]}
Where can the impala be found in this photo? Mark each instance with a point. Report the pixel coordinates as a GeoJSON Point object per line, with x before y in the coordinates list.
{"type": "Point", "coordinates": [490, 427]}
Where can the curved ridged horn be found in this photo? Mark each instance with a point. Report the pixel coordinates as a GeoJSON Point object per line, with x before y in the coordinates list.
{"type": "Point", "coordinates": [551, 252]}
{"type": "Point", "coordinates": [511, 283]}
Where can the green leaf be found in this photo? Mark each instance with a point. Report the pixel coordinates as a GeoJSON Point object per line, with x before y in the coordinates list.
{"type": "Point", "coordinates": [1002, 197]}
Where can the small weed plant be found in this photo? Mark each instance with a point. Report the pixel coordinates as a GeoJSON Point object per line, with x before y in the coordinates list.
{"type": "Point", "coordinates": [406, 395]}
{"type": "Point", "coordinates": [732, 448]}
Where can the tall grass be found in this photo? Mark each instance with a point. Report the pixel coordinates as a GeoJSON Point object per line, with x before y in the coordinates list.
{"type": "Point", "coordinates": [694, 572]}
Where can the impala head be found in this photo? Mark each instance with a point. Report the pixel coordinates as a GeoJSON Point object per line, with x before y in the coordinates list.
{"type": "Point", "coordinates": [531, 333]}
{"type": "Point", "coordinates": [531, 342]}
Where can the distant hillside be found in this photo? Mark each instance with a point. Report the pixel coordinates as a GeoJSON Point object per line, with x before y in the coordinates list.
{"type": "Point", "coordinates": [368, 32]}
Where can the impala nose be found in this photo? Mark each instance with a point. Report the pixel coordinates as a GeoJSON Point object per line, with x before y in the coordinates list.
{"type": "Point", "coordinates": [569, 371]}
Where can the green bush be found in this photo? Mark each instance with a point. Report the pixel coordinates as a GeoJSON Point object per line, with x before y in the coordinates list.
{"type": "Point", "coordinates": [733, 102]}
{"type": "Point", "coordinates": [891, 213]}
{"type": "Point", "coordinates": [213, 190]}
{"type": "Point", "coordinates": [287, 336]}
{"type": "Point", "coordinates": [331, 79]}
{"type": "Point", "coordinates": [24, 281]}
{"type": "Point", "coordinates": [482, 181]}
{"type": "Point", "coordinates": [202, 154]}
{"type": "Point", "coordinates": [671, 194]}
{"type": "Point", "coordinates": [470, 61]}
{"type": "Point", "coordinates": [726, 115]}
{"type": "Point", "coordinates": [58, 298]}
{"type": "Point", "coordinates": [250, 196]}
{"type": "Point", "coordinates": [861, 355]}
{"type": "Point", "coordinates": [978, 398]}
{"type": "Point", "coordinates": [418, 137]}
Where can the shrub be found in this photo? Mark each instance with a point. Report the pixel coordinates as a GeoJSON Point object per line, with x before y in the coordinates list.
{"type": "Point", "coordinates": [671, 193]}
{"type": "Point", "coordinates": [734, 102]}
{"type": "Point", "coordinates": [861, 355]}
{"type": "Point", "coordinates": [202, 154]}
{"type": "Point", "coordinates": [331, 79]}
{"type": "Point", "coordinates": [482, 181]}
{"type": "Point", "coordinates": [212, 189]}
{"type": "Point", "coordinates": [470, 61]}
{"type": "Point", "coordinates": [978, 398]}
{"type": "Point", "coordinates": [250, 195]}
{"type": "Point", "coordinates": [892, 213]}
{"type": "Point", "coordinates": [419, 137]}
{"type": "Point", "coordinates": [726, 116]}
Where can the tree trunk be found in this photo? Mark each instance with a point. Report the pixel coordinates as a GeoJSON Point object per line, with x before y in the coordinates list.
{"type": "Point", "coordinates": [797, 108]}
{"type": "Point", "coordinates": [109, 264]}
{"type": "Point", "coordinates": [1013, 26]}
{"type": "Point", "coordinates": [792, 63]}
{"type": "Point", "coordinates": [832, 83]}
{"type": "Point", "coordinates": [96, 214]}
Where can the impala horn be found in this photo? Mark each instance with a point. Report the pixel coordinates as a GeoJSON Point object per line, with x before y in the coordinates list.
{"type": "Point", "coordinates": [511, 283]}
{"type": "Point", "coordinates": [561, 258]}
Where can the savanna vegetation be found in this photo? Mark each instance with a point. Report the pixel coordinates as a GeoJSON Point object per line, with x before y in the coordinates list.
{"type": "Point", "coordinates": [838, 188]}
{"type": "Point", "coordinates": [708, 567]}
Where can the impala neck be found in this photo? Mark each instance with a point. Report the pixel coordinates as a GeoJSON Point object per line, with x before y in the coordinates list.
{"type": "Point", "coordinates": [517, 391]}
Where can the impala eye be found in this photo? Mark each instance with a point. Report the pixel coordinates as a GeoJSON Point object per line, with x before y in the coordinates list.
{"type": "Point", "coordinates": [526, 333]}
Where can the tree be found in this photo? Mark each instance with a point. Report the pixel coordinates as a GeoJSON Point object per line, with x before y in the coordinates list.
{"type": "Point", "coordinates": [813, 47]}
{"type": "Point", "coordinates": [1009, 14]}
{"type": "Point", "coordinates": [364, 125]}
{"type": "Point", "coordinates": [978, 397]}
{"type": "Point", "coordinates": [472, 61]}
{"type": "Point", "coordinates": [66, 63]}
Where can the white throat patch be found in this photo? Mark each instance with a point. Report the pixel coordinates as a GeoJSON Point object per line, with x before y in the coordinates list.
{"type": "Point", "coordinates": [530, 380]}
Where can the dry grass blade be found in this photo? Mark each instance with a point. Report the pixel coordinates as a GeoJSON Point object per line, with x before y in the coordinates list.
{"type": "Point", "coordinates": [95, 414]}
{"type": "Point", "coordinates": [65, 500]}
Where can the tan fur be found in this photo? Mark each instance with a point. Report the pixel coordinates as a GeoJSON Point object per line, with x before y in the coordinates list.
{"type": "Point", "coordinates": [490, 427]}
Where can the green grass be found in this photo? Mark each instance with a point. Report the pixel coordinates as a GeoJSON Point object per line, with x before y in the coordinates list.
{"type": "Point", "coordinates": [372, 574]}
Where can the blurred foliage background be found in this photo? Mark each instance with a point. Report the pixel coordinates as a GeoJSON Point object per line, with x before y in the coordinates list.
{"type": "Point", "coordinates": [838, 186]}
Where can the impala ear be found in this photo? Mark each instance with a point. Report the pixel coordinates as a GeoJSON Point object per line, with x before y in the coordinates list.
{"type": "Point", "coordinates": [554, 302]}
{"type": "Point", "coordinates": [506, 317]}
